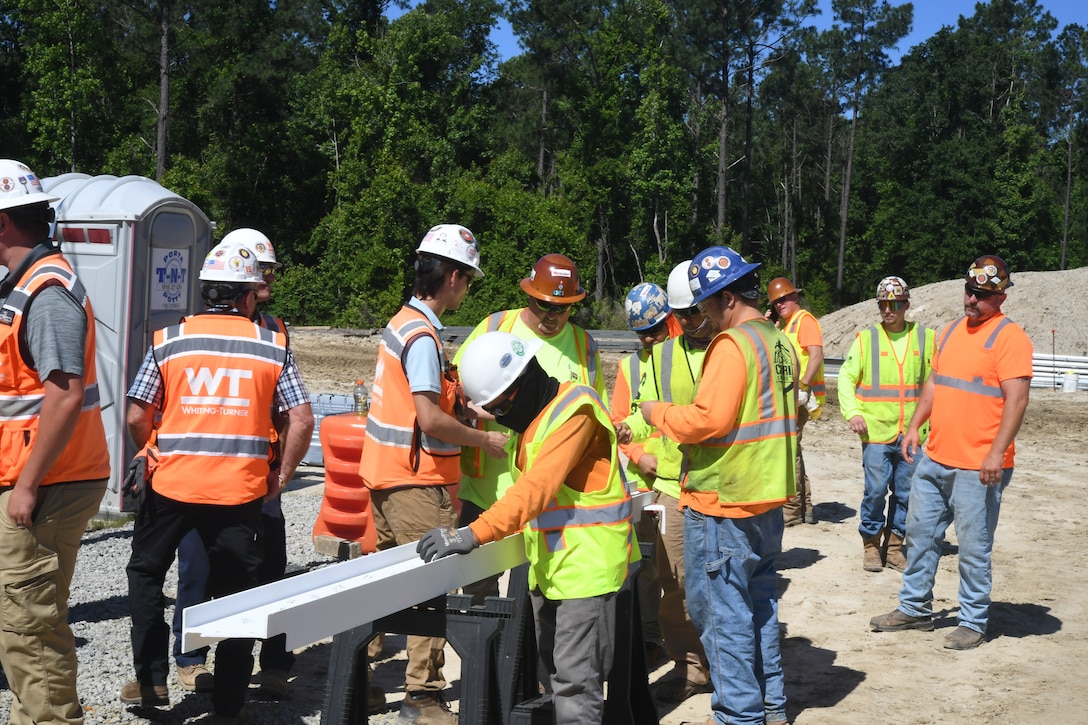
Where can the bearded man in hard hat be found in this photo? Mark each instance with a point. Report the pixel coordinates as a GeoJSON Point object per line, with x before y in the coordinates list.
{"type": "Point", "coordinates": [569, 499]}
{"type": "Point", "coordinates": [740, 433]}
{"type": "Point", "coordinates": [804, 331]}
{"type": "Point", "coordinates": [414, 435]}
{"type": "Point", "coordinates": [214, 379]}
{"type": "Point", "coordinates": [879, 384]}
{"type": "Point", "coordinates": [672, 375]}
{"type": "Point", "coordinates": [569, 354]}
{"type": "Point", "coordinates": [53, 480]}
{"type": "Point", "coordinates": [975, 402]}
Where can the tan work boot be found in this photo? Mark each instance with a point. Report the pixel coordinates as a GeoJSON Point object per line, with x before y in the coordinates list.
{"type": "Point", "coordinates": [894, 555]}
{"type": "Point", "coordinates": [871, 557]}
{"type": "Point", "coordinates": [196, 678]}
{"type": "Point", "coordinates": [430, 709]}
{"type": "Point", "coordinates": [895, 621]}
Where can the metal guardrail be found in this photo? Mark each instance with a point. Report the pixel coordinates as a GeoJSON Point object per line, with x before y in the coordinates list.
{"type": "Point", "coordinates": [1049, 372]}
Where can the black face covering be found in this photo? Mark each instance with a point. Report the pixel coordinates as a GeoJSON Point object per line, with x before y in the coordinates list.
{"type": "Point", "coordinates": [535, 390]}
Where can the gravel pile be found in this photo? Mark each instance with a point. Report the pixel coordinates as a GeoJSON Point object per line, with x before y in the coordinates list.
{"type": "Point", "coordinates": [100, 620]}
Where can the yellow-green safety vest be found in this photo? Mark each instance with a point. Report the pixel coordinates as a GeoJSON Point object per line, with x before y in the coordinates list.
{"type": "Point", "coordinates": [889, 389]}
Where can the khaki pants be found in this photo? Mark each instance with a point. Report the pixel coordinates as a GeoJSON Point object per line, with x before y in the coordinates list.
{"type": "Point", "coordinates": [402, 516]}
{"type": "Point", "coordinates": [681, 639]}
{"type": "Point", "coordinates": [37, 648]}
{"type": "Point", "coordinates": [801, 503]}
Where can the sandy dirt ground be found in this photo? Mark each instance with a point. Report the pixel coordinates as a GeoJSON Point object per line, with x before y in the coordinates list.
{"type": "Point", "coordinates": [837, 671]}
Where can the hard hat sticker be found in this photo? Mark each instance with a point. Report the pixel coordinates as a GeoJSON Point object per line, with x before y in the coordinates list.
{"type": "Point", "coordinates": [505, 360]}
{"type": "Point", "coordinates": [558, 272]}
{"type": "Point", "coordinates": [724, 262]}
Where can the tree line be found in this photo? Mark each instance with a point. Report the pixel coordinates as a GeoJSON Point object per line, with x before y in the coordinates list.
{"type": "Point", "coordinates": [627, 134]}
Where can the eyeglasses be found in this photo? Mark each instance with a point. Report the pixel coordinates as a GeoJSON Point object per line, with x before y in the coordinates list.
{"type": "Point", "coordinates": [554, 309]}
{"type": "Point", "coordinates": [688, 313]}
{"type": "Point", "coordinates": [979, 294]}
{"type": "Point", "coordinates": [468, 276]}
{"type": "Point", "coordinates": [893, 305]}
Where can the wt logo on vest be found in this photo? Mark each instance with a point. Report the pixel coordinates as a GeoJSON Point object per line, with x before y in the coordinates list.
{"type": "Point", "coordinates": [206, 386]}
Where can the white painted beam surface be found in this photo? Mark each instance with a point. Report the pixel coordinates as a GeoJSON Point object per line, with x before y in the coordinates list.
{"type": "Point", "coordinates": [319, 604]}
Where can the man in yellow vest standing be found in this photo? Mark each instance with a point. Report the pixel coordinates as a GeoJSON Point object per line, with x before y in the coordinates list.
{"type": "Point", "coordinates": [54, 463]}
{"type": "Point", "coordinates": [569, 354]}
{"type": "Point", "coordinates": [414, 435]}
{"type": "Point", "coordinates": [741, 433]}
{"type": "Point", "coordinates": [803, 330]}
{"type": "Point", "coordinates": [215, 378]}
{"type": "Point", "coordinates": [879, 384]}
{"type": "Point", "coordinates": [569, 499]}
{"type": "Point", "coordinates": [673, 372]}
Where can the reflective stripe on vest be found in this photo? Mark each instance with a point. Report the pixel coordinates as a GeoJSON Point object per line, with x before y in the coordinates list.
{"type": "Point", "coordinates": [85, 457]}
{"type": "Point", "coordinates": [974, 385]}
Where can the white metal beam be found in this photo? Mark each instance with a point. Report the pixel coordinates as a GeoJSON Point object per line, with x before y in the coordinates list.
{"type": "Point", "coordinates": [318, 604]}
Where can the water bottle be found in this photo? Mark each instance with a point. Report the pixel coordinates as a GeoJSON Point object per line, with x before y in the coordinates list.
{"type": "Point", "coordinates": [362, 399]}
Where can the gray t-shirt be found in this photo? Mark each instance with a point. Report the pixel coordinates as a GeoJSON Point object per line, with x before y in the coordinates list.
{"type": "Point", "coordinates": [56, 332]}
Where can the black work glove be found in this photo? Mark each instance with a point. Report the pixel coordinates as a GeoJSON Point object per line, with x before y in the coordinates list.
{"type": "Point", "coordinates": [135, 483]}
{"type": "Point", "coordinates": [444, 541]}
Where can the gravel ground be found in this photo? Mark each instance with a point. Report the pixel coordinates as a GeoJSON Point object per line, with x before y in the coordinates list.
{"type": "Point", "coordinates": [100, 621]}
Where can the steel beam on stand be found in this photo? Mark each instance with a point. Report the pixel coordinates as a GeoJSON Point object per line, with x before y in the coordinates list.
{"type": "Point", "coordinates": [471, 631]}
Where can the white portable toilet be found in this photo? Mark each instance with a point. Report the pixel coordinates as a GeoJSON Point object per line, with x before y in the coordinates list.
{"type": "Point", "coordinates": [138, 248]}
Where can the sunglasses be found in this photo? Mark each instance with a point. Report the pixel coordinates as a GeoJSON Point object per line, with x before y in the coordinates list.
{"type": "Point", "coordinates": [893, 305]}
{"type": "Point", "coordinates": [688, 313]}
{"type": "Point", "coordinates": [501, 408]}
{"type": "Point", "coordinates": [554, 309]}
{"type": "Point", "coordinates": [267, 272]}
{"type": "Point", "coordinates": [979, 294]}
{"type": "Point", "coordinates": [653, 331]}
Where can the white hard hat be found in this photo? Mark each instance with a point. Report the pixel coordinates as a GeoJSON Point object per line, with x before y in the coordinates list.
{"type": "Point", "coordinates": [680, 296]}
{"type": "Point", "coordinates": [455, 242]}
{"type": "Point", "coordinates": [19, 186]}
{"type": "Point", "coordinates": [492, 362]}
{"type": "Point", "coordinates": [257, 241]}
{"type": "Point", "coordinates": [231, 262]}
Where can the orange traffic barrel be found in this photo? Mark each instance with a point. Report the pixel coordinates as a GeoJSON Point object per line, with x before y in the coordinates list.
{"type": "Point", "coordinates": [345, 524]}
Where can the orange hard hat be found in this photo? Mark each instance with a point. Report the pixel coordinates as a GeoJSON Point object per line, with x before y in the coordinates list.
{"type": "Point", "coordinates": [778, 288]}
{"type": "Point", "coordinates": [554, 279]}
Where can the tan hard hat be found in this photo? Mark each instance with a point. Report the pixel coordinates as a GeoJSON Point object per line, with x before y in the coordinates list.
{"type": "Point", "coordinates": [554, 279]}
{"type": "Point", "coordinates": [778, 288]}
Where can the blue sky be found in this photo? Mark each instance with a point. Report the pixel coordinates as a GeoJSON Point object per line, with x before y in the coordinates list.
{"type": "Point", "coordinates": [929, 17]}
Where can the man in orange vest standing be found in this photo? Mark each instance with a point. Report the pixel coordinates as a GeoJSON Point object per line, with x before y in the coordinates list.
{"type": "Point", "coordinates": [569, 499]}
{"type": "Point", "coordinates": [804, 331]}
{"type": "Point", "coordinates": [975, 402]}
{"type": "Point", "coordinates": [740, 434]}
{"type": "Point", "coordinates": [879, 385]}
{"type": "Point", "coordinates": [55, 463]}
{"type": "Point", "coordinates": [414, 434]}
{"type": "Point", "coordinates": [215, 378]}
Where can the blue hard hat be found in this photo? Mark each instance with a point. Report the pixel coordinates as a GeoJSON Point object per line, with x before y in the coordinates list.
{"type": "Point", "coordinates": [714, 269]}
{"type": "Point", "coordinates": [646, 305]}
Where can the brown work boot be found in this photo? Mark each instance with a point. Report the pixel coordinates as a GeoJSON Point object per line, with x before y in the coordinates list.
{"type": "Point", "coordinates": [895, 621]}
{"type": "Point", "coordinates": [894, 556]}
{"type": "Point", "coordinates": [870, 560]}
{"type": "Point", "coordinates": [425, 708]}
{"type": "Point", "coordinates": [679, 685]}
{"type": "Point", "coordinates": [133, 693]}
{"type": "Point", "coordinates": [274, 684]}
{"type": "Point", "coordinates": [196, 678]}
{"type": "Point", "coordinates": [962, 638]}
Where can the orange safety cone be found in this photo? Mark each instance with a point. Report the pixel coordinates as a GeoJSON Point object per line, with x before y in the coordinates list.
{"type": "Point", "coordinates": [345, 525]}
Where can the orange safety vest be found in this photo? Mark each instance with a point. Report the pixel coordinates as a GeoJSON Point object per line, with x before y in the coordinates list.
{"type": "Point", "coordinates": [219, 374]}
{"type": "Point", "coordinates": [85, 457]}
{"type": "Point", "coordinates": [968, 400]}
{"type": "Point", "coordinates": [397, 452]}
{"type": "Point", "coordinates": [793, 331]}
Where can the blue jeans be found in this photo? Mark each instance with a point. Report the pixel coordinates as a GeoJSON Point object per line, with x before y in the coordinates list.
{"type": "Point", "coordinates": [192, 582]}
{"type": "Point", "coordinates": [938, 495]}
{"type": "Point", "coordinates": [732, 597]}
{"type": "Point", "coordinates": [886, 471]}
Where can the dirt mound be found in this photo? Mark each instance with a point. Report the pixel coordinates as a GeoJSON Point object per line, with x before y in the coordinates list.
{"type": "Point", "coordinates": [1039, 302]}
